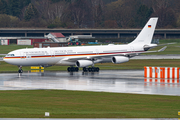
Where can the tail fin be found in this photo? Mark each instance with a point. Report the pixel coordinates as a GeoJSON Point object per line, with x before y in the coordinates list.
{"type": "Point", "coordinates": [146, 34]}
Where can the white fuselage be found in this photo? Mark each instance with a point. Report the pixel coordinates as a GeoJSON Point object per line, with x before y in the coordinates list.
{"type": "Point", "coordinates": [67, 55]}
{"type": "Point", "coordinates": [85, 56]}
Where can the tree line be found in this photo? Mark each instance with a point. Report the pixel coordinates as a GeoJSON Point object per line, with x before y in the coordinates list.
{"type": "Point", "coordinates": [88, 13]}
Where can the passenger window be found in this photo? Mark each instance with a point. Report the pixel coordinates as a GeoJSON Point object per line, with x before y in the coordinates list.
{"type": "Point", "coordinates": [9, 55]}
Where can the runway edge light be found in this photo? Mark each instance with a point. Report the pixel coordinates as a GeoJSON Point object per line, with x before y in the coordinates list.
{"type": "Point", "coordinates": [178, 112]}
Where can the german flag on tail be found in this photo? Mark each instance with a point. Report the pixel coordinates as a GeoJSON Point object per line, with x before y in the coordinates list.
{"type": "Point", "coordinates": [149, 26]}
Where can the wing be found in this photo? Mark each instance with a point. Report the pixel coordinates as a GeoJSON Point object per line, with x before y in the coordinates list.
{"type": "Point", "coordinates": [137, 53]}
{"type": "Point", "coordinates": [99, 56]}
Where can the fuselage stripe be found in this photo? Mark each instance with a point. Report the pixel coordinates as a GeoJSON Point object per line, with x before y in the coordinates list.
{"type": "Point", "coordinates": [70, 55]}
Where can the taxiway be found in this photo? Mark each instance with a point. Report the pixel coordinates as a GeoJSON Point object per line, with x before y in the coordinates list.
{"type": "Point", "coordinates": [119, 81]}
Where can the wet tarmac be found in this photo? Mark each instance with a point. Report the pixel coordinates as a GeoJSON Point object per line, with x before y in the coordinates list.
{"type": "Point", "coordinates": [119, 81]}
{"type": "Point", "coordinates": [170, 56]}
{"type": "Point", "coordinates": [90, 119]}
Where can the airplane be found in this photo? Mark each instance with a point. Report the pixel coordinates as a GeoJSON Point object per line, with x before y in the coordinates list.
{"type": "Point", "coordinates": [85, 56]}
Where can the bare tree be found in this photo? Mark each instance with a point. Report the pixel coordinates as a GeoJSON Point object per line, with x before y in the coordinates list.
{"type": "Point", "coordinates": [50, 11]}
{"type": "Point", "coordinates": [123, 11]}
{"type": "Point", "coordinates": [80, 12]}
{"type": "Point", "coordinates": [166, 14]}
{"type": "Point", "coordinates": [97, 12]}
{"type": "Point", "coordinates": [160, 4]}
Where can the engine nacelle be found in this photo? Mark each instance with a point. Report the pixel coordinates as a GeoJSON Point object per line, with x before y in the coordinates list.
{"type": "Point", "coordinates": [84, 63]}
{"type": "Point", "coordinates": [146, 47]}
{"type": "Point", "coordinates": [119, 59]}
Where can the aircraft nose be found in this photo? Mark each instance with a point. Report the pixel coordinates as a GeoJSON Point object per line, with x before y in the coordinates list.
{"type": "Point", "coordinates": [7, 60]}
{"type": "Point", "coordinates": [4, 59]}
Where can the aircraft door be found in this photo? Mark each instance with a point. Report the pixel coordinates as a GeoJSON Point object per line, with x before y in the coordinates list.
{"type": "Point", "coordinates": [28, 56]}
{"type": "Point", "coordinates": [23, 56]}
{"type": "Point", "coordinates": [52, 54]}
{"type": "Point", "coordinates": [132, 49]}
{"type": "Point", "coordinates": [97, 52]}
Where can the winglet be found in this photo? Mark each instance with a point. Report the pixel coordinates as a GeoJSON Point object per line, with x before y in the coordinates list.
{"type": "Point", "coordinates": [160, 50]}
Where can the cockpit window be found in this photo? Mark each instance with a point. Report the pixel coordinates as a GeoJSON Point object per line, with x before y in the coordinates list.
{"type": "Point", "coordinates": [9, 55]}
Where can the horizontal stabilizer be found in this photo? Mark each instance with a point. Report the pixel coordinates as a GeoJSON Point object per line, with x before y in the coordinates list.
{"type": "Point", "coordinates": [162, 49]}
{"type": "Point", "coordinates": [166, 44]}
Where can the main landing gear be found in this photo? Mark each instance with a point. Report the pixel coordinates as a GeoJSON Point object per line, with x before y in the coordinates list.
{"type": "Point", "coordinates": [91, 69]}
{"type": "Point", "coordinates": [72, 69]}
{"type": "Point", "coordinates": [85, 69]}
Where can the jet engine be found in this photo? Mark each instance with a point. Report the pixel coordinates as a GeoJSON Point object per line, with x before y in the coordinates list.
{"type": "Point", "coordinates": [84, 63]}
{"type": "Point", "coordinates": [119, 59]}
{"type": "Point", "coordinates": [146, 47]}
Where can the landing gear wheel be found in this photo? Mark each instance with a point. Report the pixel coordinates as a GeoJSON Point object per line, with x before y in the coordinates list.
{"type": "Point", "coordinates": [68, 69]}
{"type": "Point", "coordinates": [91, 69]}
{"type": "Point", "coordinates": [85, 69]}
{"type": "Point", "coordinates": [72, 69]}
{"type": "Point", "coordinates": [76, 69]}
{"type": "Point", "coordinates": [97, 69]}
{"type": "Point", "coordinates": [20, 71]}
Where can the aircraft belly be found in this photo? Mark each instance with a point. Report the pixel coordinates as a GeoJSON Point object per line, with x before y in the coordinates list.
{"type": "Point", "coordinates": [33, 61]}
{"type": "Point", "coordinates": [65, 62]}
{"type": "Point", "coordinates": [103, 60]}
{"type": "Point", "coordinates": [107, 59]}
{"type": "Point", "coordinates": [20, 62]}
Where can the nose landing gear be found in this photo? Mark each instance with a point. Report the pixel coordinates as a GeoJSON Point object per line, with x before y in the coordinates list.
{"type": "Point", "coordinates": [20, 70]}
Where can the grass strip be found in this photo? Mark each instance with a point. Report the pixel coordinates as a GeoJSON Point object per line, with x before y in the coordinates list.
{"type": "Point", "coordinates": [79, 104]}
{"type": "Point", "coordinates": [5, 49]}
